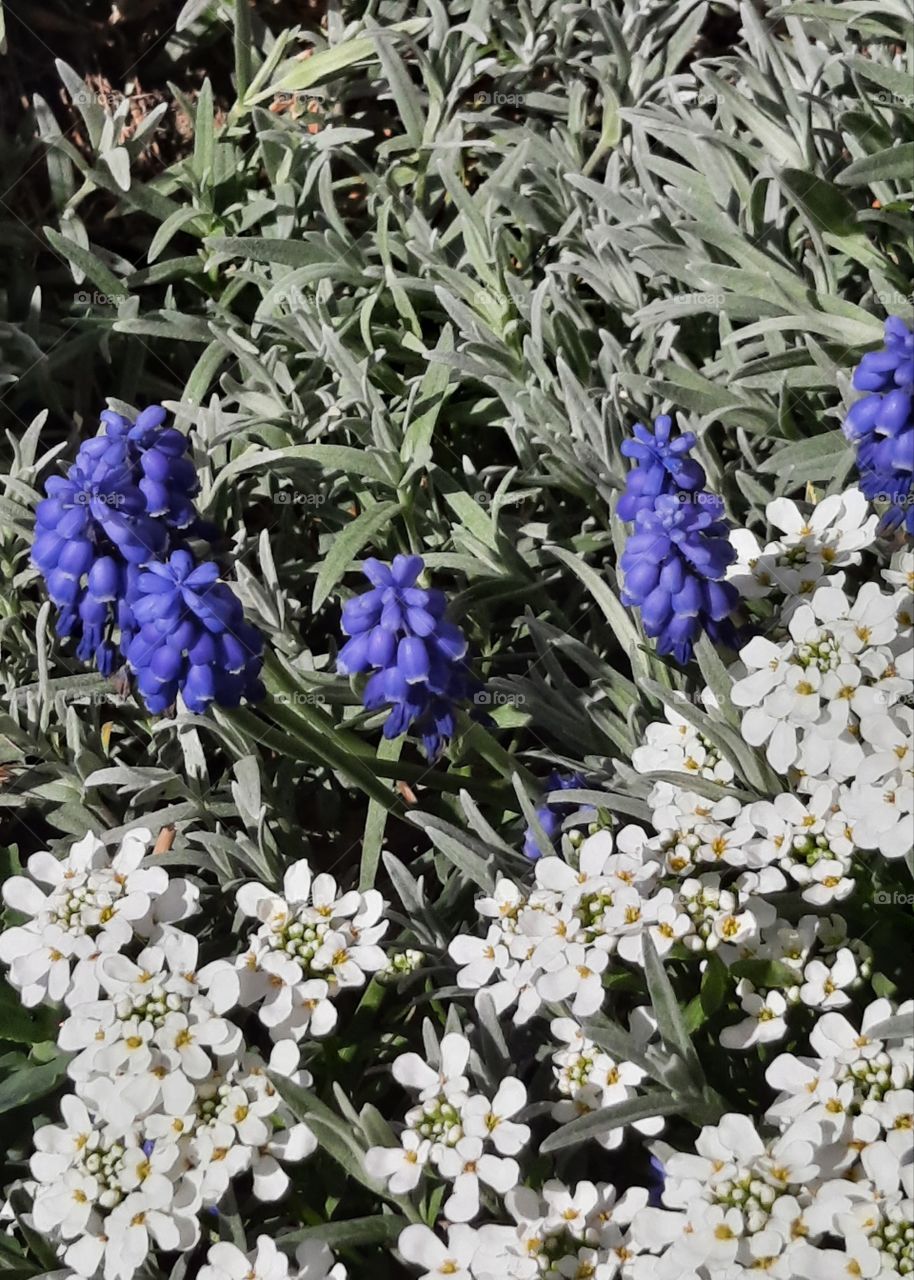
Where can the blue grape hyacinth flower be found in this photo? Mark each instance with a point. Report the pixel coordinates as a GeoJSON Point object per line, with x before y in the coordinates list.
{"type": "Point", "coordinates": [167, 476]}
{"type": "Point", "coordinates": [191, 638]}
{"type": "Point", "coordinates": [92, 526]}
{"type": "Point", "coordinates": [891, 367]}
{"type": "Point", "coordinates": [552, 814]}
{"type": "Point", "coordinates": [881, 425]}
{"type": "Point", "coordinates": [664, 466]}
{"type": "Point", "coordinates": [674, 566]}
{"type": "Point", "coordinates": [398, 632]}
{"type": "Point", "coordinates": [97, 502]}
{"type": "Point", "coordinates": [675, 561]}
{"type": "Point", "coordinates": [109, 545]}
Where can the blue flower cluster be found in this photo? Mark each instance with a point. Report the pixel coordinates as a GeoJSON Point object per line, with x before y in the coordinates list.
{"type": "Point", "coordinates": [109, 543]}
{"type": "Point", "coordinates": [881, 425]}
{"type": "Point", "coordinates": [192, 637]}
{"type": "Point", "coordinates": [551, 815]}
{"type": "Point", "coordinates": [676, 559]}
{"type": "Point", "coordinates": [399, 632]}
{"type": "Point", "coordinates": [664, 466]}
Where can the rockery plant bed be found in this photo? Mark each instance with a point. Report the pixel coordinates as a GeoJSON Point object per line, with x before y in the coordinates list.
{"type": "Point", "coordinates": [456, 665]}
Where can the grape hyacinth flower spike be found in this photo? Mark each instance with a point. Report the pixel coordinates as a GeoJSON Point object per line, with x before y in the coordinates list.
{"type": "Point", "coordinates": [398, 632]}
{"type": "Point", "coordinates": [90, 529]}
{"type": "Point", "coordinates": [192, 638]}
{"type": "Point", "coordinates": [168, 478]}
{"type": "Point", "coordinates": [109, 545]}
{"type": "Point", "coordinates": [675, 561]}
{"type": "Point", "coordinates": [664, 466]}
{"type": "Point", "coordinates": [881, 425]}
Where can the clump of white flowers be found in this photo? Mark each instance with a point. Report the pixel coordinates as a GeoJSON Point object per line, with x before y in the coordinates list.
{"type": "Point", "coordinates": [555, 942]}
{"type": "Point", "coordinates": [169, 1107]}
{"type": "Point", "coordinates": [811, 548]}
{"type": "Point", "coordinates": [313, 1261]}
{"type": "Point", "coordinates": [469, 1140]}
{"type": "Point", "coordinates": [824, 699]}
{"type": "Point", "coordinates": [822, 1187]}
{"type": "Point", "coordinates": [312, 944]}
{"type": "Point", "coordinates": [580, 1230]}
{"type": "Point", "coordinates": [94, 904]}
{"type": "Point", "coordinates": [169, 1103]}
{"type": "Point", "coordinates": [587, 1078]}
{"type": "Point", "coordinates": [678, 747]}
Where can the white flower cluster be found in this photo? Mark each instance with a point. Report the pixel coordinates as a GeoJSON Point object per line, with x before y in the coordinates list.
{"type": "Point", "coordinates": [832, 700]}
{"type": "Point", "coordinates": [823, 1191]}
{"type": "Point", "coordinates": [827, 1193]}
{"type": "Point", "coordinates": [811, 549]}
{"type": "Point", "coordinates": [109, 1190]}
{"type": "Point", "coordinates": [314, 1262]}
{"type": "Point", "coordinates": [678, 747]}
{"type": "Point", "coordinates": [169, 1105]}
{"type": "Point", "coordinates": [811, 834]}
{"type": "Point", "coordinates": [95, 905]}
{"type": "Point", "coordinates": [834, 1169]}
{"type": "Point", "coordinates": [563, 1233]}
{"type": "Point", "coordinates": [828, 966]}
{"type": "Point", "coordinates": [313, 943]}
{"type": "Point", "coordinates": [454, 1131]}
{"type": "Point", "coordinates": [555, 942]}
{"type": "Point", "coordinates": [588, 1078]}
{"type": "Point", "coordinates": [808, 841]}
